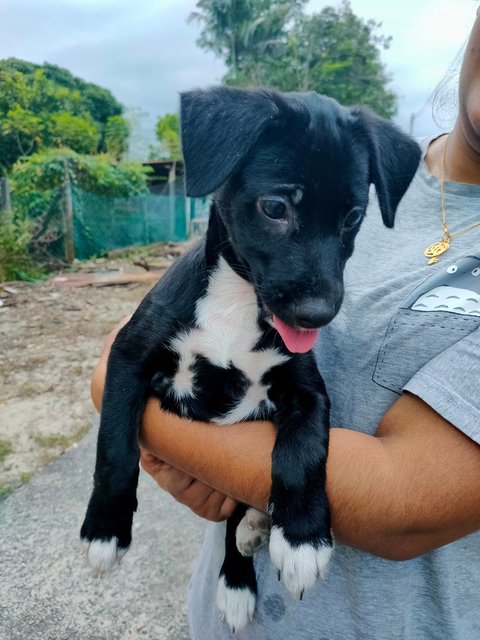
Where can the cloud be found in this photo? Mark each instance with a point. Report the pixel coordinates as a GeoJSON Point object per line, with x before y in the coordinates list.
{"type": "Point", "coordinates": [145, 52]}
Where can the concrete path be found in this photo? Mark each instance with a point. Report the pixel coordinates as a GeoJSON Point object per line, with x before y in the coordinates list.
{"type": "Point", "coordinates": [47, 591]}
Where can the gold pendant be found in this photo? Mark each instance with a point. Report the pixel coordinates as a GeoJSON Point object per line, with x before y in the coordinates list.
{"type": "Point", "coordinates": [435, 250]}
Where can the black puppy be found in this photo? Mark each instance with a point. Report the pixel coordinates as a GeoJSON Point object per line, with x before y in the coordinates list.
{"type": "Point", "coordinates": [226, 334]}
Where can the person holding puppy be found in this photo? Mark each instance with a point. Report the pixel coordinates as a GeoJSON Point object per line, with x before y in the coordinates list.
{"type": "Point", "coordinates": [401, 364]}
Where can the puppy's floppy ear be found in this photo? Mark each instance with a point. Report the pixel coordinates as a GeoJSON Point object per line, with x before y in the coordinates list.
{"type": "Point", "coordinates": [393, 161]}
{"type": "Point", "coordinates": [219, 127]}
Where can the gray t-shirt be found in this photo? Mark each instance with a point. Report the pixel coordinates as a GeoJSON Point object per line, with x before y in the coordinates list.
{"type": "Point", "coordinates": [404, 325]}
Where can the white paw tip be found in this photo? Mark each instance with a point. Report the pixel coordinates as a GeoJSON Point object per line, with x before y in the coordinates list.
{"type": "Point", "coordinates": [102, 554]}
{"type": "Point", "coordinates": [236, 606]}
{"type": "Point", "coordinates": [300, 566]}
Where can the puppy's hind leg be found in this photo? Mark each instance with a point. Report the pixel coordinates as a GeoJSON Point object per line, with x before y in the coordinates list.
{"type": "Point", "coordinates": [237, 584]}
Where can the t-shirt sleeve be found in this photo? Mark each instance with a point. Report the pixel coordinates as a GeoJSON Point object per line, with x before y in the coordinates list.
{"type": "Point", "coordinates": [450, 384]}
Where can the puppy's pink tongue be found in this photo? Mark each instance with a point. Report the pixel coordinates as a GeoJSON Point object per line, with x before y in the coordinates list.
{"type": "Point", "coordinates": [296, 340]}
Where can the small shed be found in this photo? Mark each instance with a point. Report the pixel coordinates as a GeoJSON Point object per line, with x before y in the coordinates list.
{"type": "Point", "coordinates": [166, 177]}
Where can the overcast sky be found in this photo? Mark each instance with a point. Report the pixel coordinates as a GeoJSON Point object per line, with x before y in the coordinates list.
{"type": "Point", "coordinates": [145, 52]}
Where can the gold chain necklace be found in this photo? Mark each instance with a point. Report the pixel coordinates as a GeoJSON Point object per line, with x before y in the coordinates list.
{"type": "Point", "coordinates": [435, 250]}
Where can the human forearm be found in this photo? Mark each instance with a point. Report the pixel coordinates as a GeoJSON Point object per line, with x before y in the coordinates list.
{"type": "Point", "coordinates": [390, 494]}
{"type": "Point", "coordinates": [236, 460]}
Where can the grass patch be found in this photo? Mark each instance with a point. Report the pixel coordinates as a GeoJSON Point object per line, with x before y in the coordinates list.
{"type": "Point", "coordinates": [55, 440]}
{"type": "Point", "coordinates": [26, 476]}
{"type": "Point", "coordinates": [5, 490]}
{"type": "Point", "coordinates": [28, 391]}
{"type": "Point", "coordinates": [38, 360]}
{"type": "Point", "coordinates": [82, 430]}
{"type": "Point", "coordinates": [5, 449]}
{"type": "Point", "coordinates": [77, 369]}
{"type": "Point", "coordinates": [52, 440]}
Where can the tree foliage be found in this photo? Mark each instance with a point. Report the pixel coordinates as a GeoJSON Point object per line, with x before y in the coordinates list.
{"type": "Point", "coordinates": [168, 134]}
{"type": "Point", "coordinates": [45, 106]}
{"type": "Point", "coordinates": [15, 259]}
{"type": "Point", "coordinates": [276, 44]}
{"type": "Point", "coordinates": [75, 132]}
{"type": "Point", "coordinates": [95, 100]}
{"type": "Point", "coordinates": [45, 171]}
{"type": "Point", "coordinates": [243, 31]}
{"type": "Point", "coordinates": [117, 131]}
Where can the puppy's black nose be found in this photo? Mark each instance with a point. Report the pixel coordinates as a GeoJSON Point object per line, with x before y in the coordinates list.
{"type": "Point", "coordinates": [313, 313]}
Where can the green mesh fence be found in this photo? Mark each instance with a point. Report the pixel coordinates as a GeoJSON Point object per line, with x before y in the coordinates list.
{"type": "Point", "coordinates": [103, 223]}
{"type": "Point", "coordinates": [100, 223]}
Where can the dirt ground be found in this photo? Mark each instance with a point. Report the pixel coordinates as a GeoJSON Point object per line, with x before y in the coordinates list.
{"type": "Point", "coordinates": [51, 337]}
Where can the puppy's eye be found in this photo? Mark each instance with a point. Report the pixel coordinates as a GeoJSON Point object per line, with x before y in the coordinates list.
{"type": "Point", "coordinates": [273, 209]}
{"type": "Point", "coordinates": [353, 219]}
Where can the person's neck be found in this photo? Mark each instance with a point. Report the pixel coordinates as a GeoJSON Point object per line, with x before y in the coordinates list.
{"type": "Point", "coordinates": [462, 162]}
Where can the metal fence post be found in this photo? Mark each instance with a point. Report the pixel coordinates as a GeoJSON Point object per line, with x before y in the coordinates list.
{"type": "Point", "coordinates": [145, 218]}
{"type": "Point", "coordinates": [69, 243]}
{"type": "Point", "coordinates": [172, 175]}
{"type": "Point", "coordinates": [188, 217]}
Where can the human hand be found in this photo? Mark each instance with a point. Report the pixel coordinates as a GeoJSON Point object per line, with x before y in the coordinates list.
{"type": "Point", "coordinates": [198, 497]}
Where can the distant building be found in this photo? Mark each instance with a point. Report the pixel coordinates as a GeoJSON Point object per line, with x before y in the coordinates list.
{"type": "Point", "coordinates": [164, 173]}
{"type": "Point", "coordinates": [166, 179]}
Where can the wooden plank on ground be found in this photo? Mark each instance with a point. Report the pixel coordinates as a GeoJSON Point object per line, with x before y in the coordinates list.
{"type": "Point", "coordinates": [105, 279]}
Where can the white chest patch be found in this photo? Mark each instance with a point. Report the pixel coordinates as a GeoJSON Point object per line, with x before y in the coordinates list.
{"type": "Point", "coordinates": [226, 332]}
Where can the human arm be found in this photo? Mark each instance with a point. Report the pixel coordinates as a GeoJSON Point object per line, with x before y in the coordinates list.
{"type": "Point", "coordinates": [412, 487]}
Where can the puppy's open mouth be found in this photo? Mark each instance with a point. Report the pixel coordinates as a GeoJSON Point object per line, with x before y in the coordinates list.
{"type": "Point", "coordinates": [296, 339]}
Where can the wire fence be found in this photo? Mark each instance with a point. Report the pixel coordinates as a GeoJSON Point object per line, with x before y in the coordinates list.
{"type": "Point", "coordinates": [102, 223]}
{"type": "Point", "coordinates": [73, 223]}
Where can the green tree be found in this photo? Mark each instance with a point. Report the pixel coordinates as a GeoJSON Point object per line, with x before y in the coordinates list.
{"type": "Point", "coordinates": [168, 134]}
{"type": "Point", "coordinates": [333, 52]}
{"type": "Point", "coordinates": [75, 132]}
{"type": "Point", "coordinates": [95, 100]}
{"type": "Point", "coordinates": [43, 106]}
{"type": "Point", "coordinates": [337, 53]}
{"type": "Point", "coordinates": [243, 31]}
{"type": "Point", "coordinates": [24, 127]}
{"type": "Point", "coordinates": [117, 131]}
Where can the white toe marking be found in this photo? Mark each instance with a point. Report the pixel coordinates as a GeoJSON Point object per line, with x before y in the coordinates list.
{"type": "Point", "coordinates": [236, 606]}
{"type": "Point", "coordinates": [103, 555]}
{"type": "Point", "coordinates": [252, 532]}
{"type": "Point", "coordinates": [300, 566]}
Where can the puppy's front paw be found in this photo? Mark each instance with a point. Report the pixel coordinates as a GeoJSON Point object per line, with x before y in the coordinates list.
{"type": "Point", "coordinates": [106, 533]}
{"type": "Point", "coordinates": [300, 566]}
{"type": "Point", "coordinates": [103, 554]}
{"type": "Point", "coordinates": [235, 604]}
{"type": "Point", "coordinates": [252, 532]}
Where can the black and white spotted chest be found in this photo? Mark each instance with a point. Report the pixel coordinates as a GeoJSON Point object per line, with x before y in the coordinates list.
{"type": "Point", "coordinates": [220, 371]}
